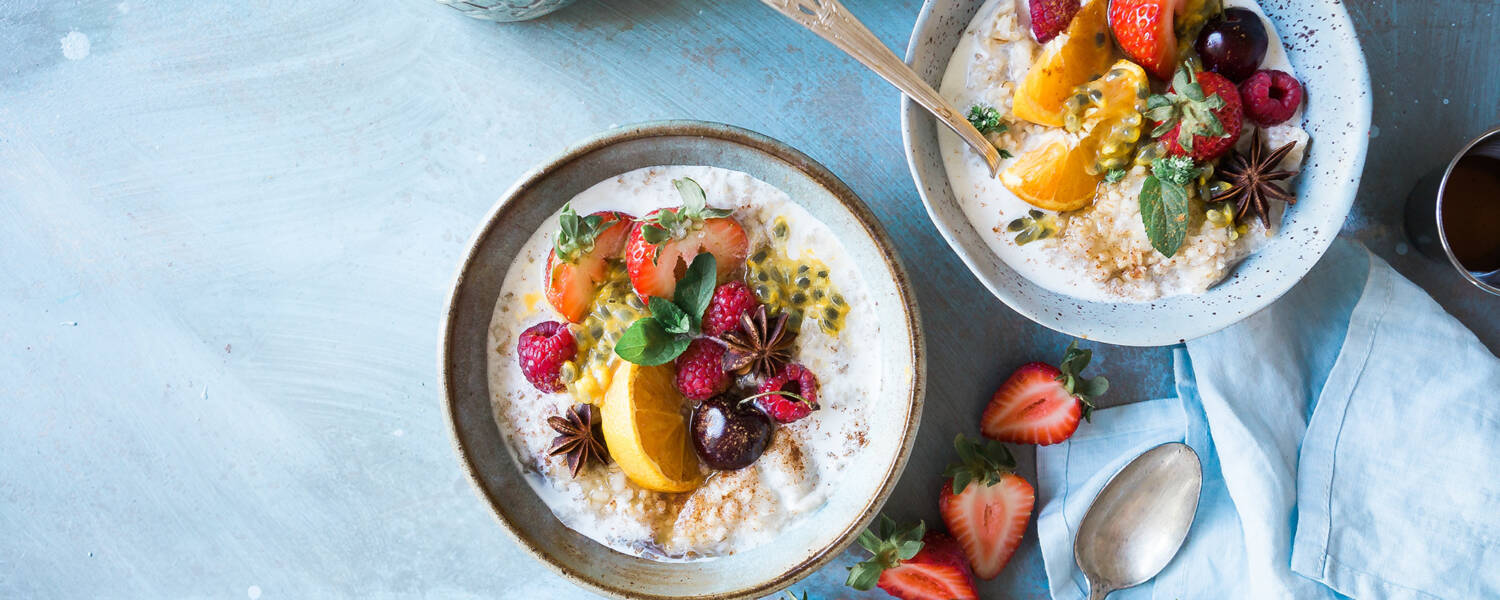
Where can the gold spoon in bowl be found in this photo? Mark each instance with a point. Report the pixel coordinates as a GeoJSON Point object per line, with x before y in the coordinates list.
{"type": "Point", "coordinates": [831, 21]}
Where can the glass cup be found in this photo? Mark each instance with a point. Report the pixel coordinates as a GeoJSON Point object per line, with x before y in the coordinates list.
{"type": "Point", "coordinates": [1454, 212]}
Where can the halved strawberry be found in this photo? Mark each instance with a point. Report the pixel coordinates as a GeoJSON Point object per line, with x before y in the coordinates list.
{"type": "Point", "coordinates": [913, 565]}
{"type": "Point", "coordinates": [662, 245]}
{"type": "Point", "coordinates": [1144, 30]}
{"type": "Point", "coordinates": [585, 245]}
{"type": "Point", "coordinates": [1040, 403]}
{"type": "Point", "coordinates": [1051, 17]}
{"type": "Point", "coordinates": [986, 504]}
{"type": "Point", "coordinates": [1199, 116]}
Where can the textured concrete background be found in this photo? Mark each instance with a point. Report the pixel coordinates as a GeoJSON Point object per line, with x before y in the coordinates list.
{"type": "Point", "coordinates": [227, 229]}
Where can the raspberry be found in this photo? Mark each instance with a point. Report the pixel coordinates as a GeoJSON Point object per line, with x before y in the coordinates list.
{"type": "Point", "coordinates": [729, 302]}
{"type": "Point", "coordinates": [1271, 97]}
{"type": "Point", "coordinates": [543, 348]}
{"type": "Point", "coordinates": [700, 370]}
{"type": "Point", "coordinates": [794, 379]}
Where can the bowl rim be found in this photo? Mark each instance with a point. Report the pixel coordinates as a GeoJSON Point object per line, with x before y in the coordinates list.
{"type": "Point", "coordinates": [863, 216]}
{"type": "Point", "coordinates": [1363, 112]}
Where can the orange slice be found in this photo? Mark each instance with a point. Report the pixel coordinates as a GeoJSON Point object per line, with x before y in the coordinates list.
{"type": "Point", "coordinates": [646, 430]}
{"type": "Point", "coordinates": [1072, 59]}
{"type": "Point", "coordinates": [1055, 176]}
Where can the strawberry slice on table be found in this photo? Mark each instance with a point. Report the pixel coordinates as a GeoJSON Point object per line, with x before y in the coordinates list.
{"type": "Point", "coordinates": [912, 563]}
{"type": "Point", "coordinates": [985, 504]}
{"type": "Point", "coordinates": [1040, 403]}
{"type": "Point", "coordinates": [580, 257]}
{"type": "Point", "coordinates": [661, 246]}
{"type": "Point", "coordinates": [1144, 29]}
{"type": "Point", "coordinates": [1199, 116]}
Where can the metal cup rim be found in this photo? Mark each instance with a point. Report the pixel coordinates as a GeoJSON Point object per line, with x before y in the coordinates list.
{"type": "Point", "coordinates": [1438, 208]}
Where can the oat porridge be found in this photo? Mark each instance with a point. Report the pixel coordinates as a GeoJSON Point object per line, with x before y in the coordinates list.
{"type": "Point", "coordinates": [1149, 145]}
{"type": "Point", "coordinates": [672, 362]}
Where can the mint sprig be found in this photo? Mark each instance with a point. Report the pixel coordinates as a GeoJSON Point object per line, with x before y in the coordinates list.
{"type": "Point", "coordinates": [1164, 203]}
{"type": "Point", "coordinates": [575, 235]}
{"type": "Point", "coordinates": [663, 336]}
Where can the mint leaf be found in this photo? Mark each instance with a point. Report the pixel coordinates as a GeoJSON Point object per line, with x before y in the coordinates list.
{"type": "Point", "coordinates": [1164, 212]}
{"type": "Point", "coordinates": [671, 318]}
{"type": "Point", "coordinates": [696, 288]}
{"type": "Point", "coordinates": [649, 343]}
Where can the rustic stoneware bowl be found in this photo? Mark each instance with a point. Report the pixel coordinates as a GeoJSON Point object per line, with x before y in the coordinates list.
{"type": "Point", "coordinates": [1321, 44]}
{"type": "Point", "coordinates": [497, 475]}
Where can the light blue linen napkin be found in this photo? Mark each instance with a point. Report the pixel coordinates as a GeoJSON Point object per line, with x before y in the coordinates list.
{"type": "Point", "coordinates": [1350, 437]}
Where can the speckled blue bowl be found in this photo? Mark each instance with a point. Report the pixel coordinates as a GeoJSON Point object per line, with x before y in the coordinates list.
{"type": "Point", "coordinates": [506, 10]}
{"type": "Point", "coordinates": [1321, 44]}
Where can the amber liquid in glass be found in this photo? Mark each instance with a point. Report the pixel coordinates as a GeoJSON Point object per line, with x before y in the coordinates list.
{"type": "Point", "coordinates": [1471, 213]}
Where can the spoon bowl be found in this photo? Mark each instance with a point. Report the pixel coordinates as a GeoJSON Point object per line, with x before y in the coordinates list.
{"type": "Point", "coordinates": [1139, 520]}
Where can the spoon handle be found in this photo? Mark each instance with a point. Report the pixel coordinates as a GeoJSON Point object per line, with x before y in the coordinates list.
{"type": "Point", "coordinates": [1098, 591]}
{"type": "Point", "coordinates": [831, 21]}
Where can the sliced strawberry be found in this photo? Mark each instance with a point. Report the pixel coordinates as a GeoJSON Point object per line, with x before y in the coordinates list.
{"type": "Point", "coordinates": [655, 268]}
{"type": "Point", "coordinates": [1205, 104]}
{"type": "Point", "coordinates": [911, 565]}
{"type": "Point", "coordinates": [571, 286]}
{"type": "Point", "coordinates": [1040, 403]}
{"type": "Point", "coordinates": [1144, 30]}
{"type": "Point", "coordinates": [986, 505]}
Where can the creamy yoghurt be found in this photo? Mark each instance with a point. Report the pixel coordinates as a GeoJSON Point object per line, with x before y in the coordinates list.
{"type": "Point", "coordinates": [733, 510]}
{"type": "Point", "coordinates": [1101, 252]}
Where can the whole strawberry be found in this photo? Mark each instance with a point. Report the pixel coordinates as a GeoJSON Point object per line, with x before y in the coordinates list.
{"type": "Point", "coordinates": [985, 504]}
{"type": "Point", "coordinates": [700, 370]}
{"type": "Point", "coordinates": [912, 563]}
{"type": "Point", "coordinates": [729, 302]}
{"type": "Point", "coordinates": [542, 350]}
{"type": "Point", "coordinates": [1042, 404]}
{"type": "Point", "coordinates": [1199, 116]}
{"type": "Point", "coordinates": [789, 395]}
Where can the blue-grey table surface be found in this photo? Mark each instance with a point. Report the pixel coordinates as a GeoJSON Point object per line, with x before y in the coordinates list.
{"type": "Point", "coordinates": [227, 229]}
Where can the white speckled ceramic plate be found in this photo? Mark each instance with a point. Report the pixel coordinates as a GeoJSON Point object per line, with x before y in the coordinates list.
{"type": "Point", "coordinates": [1321, 44]}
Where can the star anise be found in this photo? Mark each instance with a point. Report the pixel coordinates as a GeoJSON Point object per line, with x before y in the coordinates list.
{"type": "Point", "coordinates": [1252, 178]}
{"type": "Point", "coordinates": [761, 345]}
{"type": "Point", "coordinates": [578, 437]}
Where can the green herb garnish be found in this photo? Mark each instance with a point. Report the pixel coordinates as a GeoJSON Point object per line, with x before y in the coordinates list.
{"type": "Point", "coordinates": [664, 335]}
{"type": "Point", "coordinates": [1114, 175]}
{"type": "Point", "coordinates": [986, 119]}
{"type": "Point", "coordinates": [1164, 202]}
{"type": "Point", "coordinates": [1185, 104]}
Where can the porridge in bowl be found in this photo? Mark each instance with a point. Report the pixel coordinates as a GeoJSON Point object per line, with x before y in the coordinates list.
{"type": "Point", "coordinates": [674, 362]}
{"type": "Point", "coordinates": [1149, 144]}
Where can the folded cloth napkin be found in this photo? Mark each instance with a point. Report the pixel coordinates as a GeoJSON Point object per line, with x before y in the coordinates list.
{"type": "Point", "coordinates": [1350, 438]}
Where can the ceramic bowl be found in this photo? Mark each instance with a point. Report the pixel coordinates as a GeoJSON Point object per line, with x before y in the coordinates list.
{"type": "Point", "coordinates": [497, 475]}
{"type": "Point", "coordinates": [1323, 50]}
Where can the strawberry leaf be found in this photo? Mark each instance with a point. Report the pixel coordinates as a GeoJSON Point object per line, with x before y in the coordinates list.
{"type": "Point", "coordinates": [1074, 361]}
{"type": "Point", "coordinates": [888, 548]}
{"type": "Point", "coordinates": [693, 198]}
{"type": "Point", "coordinates": [983, 464]}
{"type": "Point", "coordinates": [576, 234]}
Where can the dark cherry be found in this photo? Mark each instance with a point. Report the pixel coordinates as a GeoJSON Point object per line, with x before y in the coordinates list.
{"type": "Point", "coordinates": [729, 435]}
{"type": "Point", "coordinates": [1233, 44]}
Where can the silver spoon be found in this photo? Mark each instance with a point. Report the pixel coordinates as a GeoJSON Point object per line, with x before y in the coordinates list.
{"type": "Point", "coordinates": [831, 21]}
{"type": "Point", "coordinates": [1139, 520]}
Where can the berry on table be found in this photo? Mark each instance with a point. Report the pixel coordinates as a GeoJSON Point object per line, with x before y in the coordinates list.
{"type": "Point", "coordinates": [729, 302]}
{"type": "Point", "coordinates": [542, 350]}
{"type": "Point", "coordinates": [789, 395]}
{"type": "Point", "coordinates": [700, 370]}
{"type": "Point", "coordinates": [1271, 97]}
